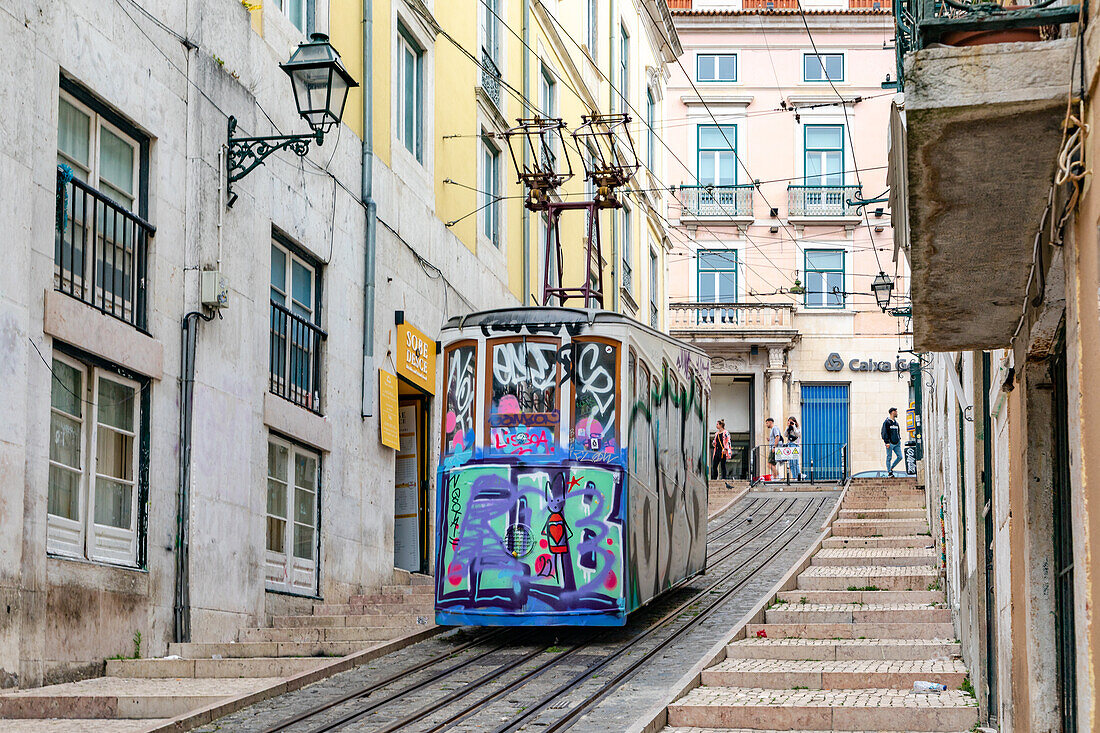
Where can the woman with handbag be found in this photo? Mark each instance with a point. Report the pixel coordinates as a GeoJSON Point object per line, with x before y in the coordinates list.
{"type": "Point", "coordinates": [720, 450]}
{"type": "Point", "coordinates": [794, 434]}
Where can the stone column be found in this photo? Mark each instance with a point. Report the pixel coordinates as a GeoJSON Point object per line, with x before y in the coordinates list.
{"type": "Point", "coordinates": [776, 371]}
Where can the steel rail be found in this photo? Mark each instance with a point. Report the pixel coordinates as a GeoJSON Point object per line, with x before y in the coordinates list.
{"type": "Point", "coordinates": [567, 720]}
{"type": "Point", "coordinates": [782, 507]}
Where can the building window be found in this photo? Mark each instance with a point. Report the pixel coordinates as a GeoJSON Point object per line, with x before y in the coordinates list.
{"type": "Point", "coordinates": [824, 67]}
{"type": "Point", "coordinates": [490, 49]}
{"type": "Point", "coordinates": [410, 83]}
{"type": "Point", "coordinates": [627, 247]}
{"type": "Point", "coordinates": [717, 155]}
{"type": "Point", "coordinates": [490, 190]}
{"type": "Point", "coordinates": [650, 133]}
{"type": "Point", "coordinates": [101, 242]}
{"type": "Point", "coordinates": [548, 271]}
{"type": "Point", "coordinates": [593, 28]}
{"type": "Point", "coordinates": [718, 276]}
{"type": "Point", "coordinates": [624, 67]}
{"type": "Point", "coordinates": [824, 158]}
{"type": "Point", "coordinates": [302, 13]}
{"type": "Point", "coordinates": [95, 463]}
{"type": "Point", "coordinates": [824, 278]}
{"type": "Point", "coordinates": [716, 67]}
{"type": "Point", "coordinates": [293, 484]}
{"type": "Point", "coordinates": [295, 332]}
{"type": "Point", "coordinates": [654, 299]}
{"type": "Point", "coordinates": [548, 98]}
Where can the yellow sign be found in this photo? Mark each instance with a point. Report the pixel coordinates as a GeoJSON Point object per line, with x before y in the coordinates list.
{"type": "Point", "coordinates": [416, 361]}
{"type": "Point", "coordinates": [387, 409]}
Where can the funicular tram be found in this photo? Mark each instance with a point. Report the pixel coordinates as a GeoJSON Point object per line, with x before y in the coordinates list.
{"type": "Point", "coordinates": [572, 484]}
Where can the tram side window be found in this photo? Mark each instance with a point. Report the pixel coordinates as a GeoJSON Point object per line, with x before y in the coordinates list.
{"type": "Point", "coordinates": [641, 437]}
{"type": "Point", "coordinates": [460, 373]}
{"type": "Point", "coordinates": [595, 407]}
{"type": "Point", "coordinates": [523, 397]}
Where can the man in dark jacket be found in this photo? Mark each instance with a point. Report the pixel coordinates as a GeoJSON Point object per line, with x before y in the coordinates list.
{"type": "Point", "coordinates": [891, 436]}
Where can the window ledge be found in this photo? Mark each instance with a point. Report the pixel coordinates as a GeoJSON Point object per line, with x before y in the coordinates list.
{"type": "Point", "coordinates": [78, 571]}
{"type": "Point", "coordinates": [297, 423]}
{"type": "Point", "coordinates": [74, 322]}
{"type": "Point", "coordinates": [848, 221]}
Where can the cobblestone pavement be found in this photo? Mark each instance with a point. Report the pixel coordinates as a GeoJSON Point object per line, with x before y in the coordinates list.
{"type": "Point", "coordinates": [542, 673]}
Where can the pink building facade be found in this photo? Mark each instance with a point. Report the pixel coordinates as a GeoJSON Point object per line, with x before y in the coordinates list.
{"type": "Point", "coordinates": [777, 129]}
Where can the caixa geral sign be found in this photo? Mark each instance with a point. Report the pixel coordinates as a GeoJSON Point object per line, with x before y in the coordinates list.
{"type": "Point", "coordinates": [835, 364]}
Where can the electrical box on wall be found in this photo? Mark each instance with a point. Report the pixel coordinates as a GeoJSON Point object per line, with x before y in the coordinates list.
{"type": "Point", "coordinates": [214, 289]}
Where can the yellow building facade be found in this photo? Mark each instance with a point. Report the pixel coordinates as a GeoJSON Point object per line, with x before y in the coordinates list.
{"type": "Point", "coordinates": [474, 67]}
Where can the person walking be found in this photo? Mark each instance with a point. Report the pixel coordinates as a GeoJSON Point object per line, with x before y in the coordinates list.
{"type": "Point", "coordinates": [775, 439]}
{"type": "Point", "coordinates": [794, 434]}
{"type": "Point", "coordinates": [720, 450]}
{"type": "Point", "coordinates": [891, 436]}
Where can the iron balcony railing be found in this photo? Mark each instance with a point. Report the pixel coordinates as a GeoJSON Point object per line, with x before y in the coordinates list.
{"type": "Point", "coordinates": [716, 202]}
{"type": "Point", "coordinates": [296, 358]}
{"type": "Point", "coordinates": [100, 251]}
{"type": "Point", "coordinates": [490, 77]}
{"type": "Point", "coordinates": [823, 200]}
{"type": "Point", "coordinates": [730, 316]}
{"type": "Point", "coordinates": [923, 22]}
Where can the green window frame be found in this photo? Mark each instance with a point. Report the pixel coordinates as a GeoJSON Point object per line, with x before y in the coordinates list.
{"type": "Point", "coordinates": [717, 276]}
{"type": "Point", "coordinates": [410, 91]}
{"type": "Point", "coordinates": [825, 67]}
{"type": "Point", "coordinates": [490, 190]}
{"type": "Point", "coordinates": [823, 158]}
{"type": "Point", "coordinates": [716, 67]}
{"type": "Point", "coordinates": [650, 133]}
{"type": "Point", "coordinates": [824, 270]}
{"type": "Point", "coordinates": [716, 155]}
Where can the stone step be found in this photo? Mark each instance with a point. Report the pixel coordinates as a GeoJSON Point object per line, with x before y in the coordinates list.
{"type": "Point", "coordinates": [886, 630]}
{"type": "Point", "coordinates": [784, 674]}
{"type": "Point", "coordinates": [125, 697]}
{"type": "Point", "coordinates": [394, 619]}
{"type": "Point", "coordinates": [849, 710]}
{"type": "Point", "coordinates": [856, 613]}
{"type": "Point", "coordinates": [419, 579]}
{"type": "Point", "coordinates": [400, 590]}
{"type": "Point", "coordinates": [875, 556]}
{"type": "Point", "coordinates": [414, 605]}
{"type": "Point", "coordinates": [86, 725]}
{"type": "Point", "coordinates": [886, 513]}
{"type": "Point", "coordinates": [871, 501]}
{"type": "Point", "coordinates": [244, 650]}
{"type": "Point", "coordinates": [258, 666]}
{"type": "Point", "coordinates": [863, 596]}
{"type": "Point", "coordinates": [842, 649]}
{"type": "Point", "coordinates": [846, 577]}
{"type": "Point", "coordinates": [909, 482]}
{"type": "Point", "coordinates": [914, 540]}
{"type": "Point", "coordinates": [878, 527]}
{"type": "Point", "coordinates": [321, 633]}
{"type": "Point", "coordinates": [697, 729]}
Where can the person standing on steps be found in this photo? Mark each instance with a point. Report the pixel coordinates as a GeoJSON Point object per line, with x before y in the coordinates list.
{"type": "Point", "coordinates": [891, 436]}
{"type": "Point", "coordinates": [720, 450]}
{"type": "Point", "coordinates": [775, 439]}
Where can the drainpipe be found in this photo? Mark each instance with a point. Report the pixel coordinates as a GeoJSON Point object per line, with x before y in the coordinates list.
{"type": "Point", "coordinates": [524, 213]}
{"type": "Point", "coordinates": [182, 605]}
{"type": "Point", "coordinates": [372, 211]}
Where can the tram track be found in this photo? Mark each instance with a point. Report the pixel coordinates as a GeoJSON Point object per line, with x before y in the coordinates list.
{"type": "Point", "coordinates": [516, 664]}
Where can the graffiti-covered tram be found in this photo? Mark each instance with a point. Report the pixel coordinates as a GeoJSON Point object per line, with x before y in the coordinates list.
{"type": "Point", "coordinates": [572, 483]}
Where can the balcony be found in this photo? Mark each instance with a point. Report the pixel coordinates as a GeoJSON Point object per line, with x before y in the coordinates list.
{"type": "Point", "coordinates": [806, 204]}
{"type": "Point", "coordinates": [295, 358]}
{"type": "Point", "coordinates": [983, 126]}
{"type": "Point", "coordinates": [100, 251]}
{"type": "Point", "coordinates": [731, 203]}
{"type": "Point", "coordinates": [490, 78]}
{"type": "Point", "coordinates": [759, 323]}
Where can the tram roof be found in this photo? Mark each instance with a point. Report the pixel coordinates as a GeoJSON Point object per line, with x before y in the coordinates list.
{"type": "Point", "coordinates": [549, 315]}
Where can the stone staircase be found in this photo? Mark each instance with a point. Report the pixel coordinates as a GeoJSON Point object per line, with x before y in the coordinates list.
{"type": "Point", "coordinates": [842, 650]}
{"type": "Point", "coordinates": [195, 675]}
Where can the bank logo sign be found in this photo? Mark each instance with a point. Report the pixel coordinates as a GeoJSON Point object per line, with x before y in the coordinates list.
{"type": "Point", "coordinates": [835, 364]}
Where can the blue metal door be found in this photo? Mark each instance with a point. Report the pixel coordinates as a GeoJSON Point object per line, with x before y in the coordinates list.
{"type": "Point", "coordinates": [824, 430]}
